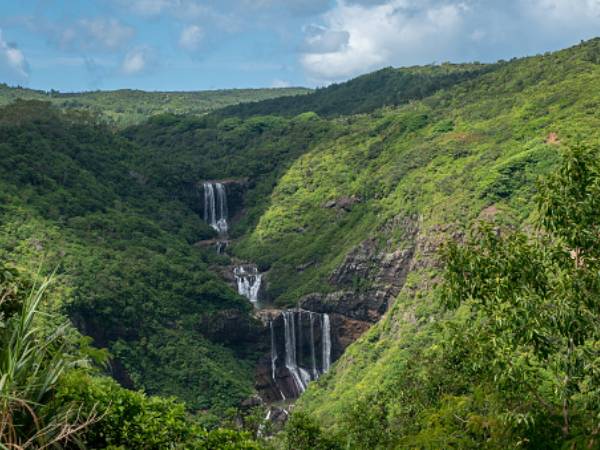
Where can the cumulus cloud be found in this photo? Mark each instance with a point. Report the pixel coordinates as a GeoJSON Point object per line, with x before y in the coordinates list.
{"type": "Point", "coordinates": [191, 37]}
{"type": "Point", "coordinates": [357, 38]}
{"type": "Point", "coordinates": [13, 65]}
{"type": "Point", "coordinates": [91, 34]}
{"type": "Point", "coordinates": [568, 11]}
{"type": "Point", "coordinates": [322, 40]}
{"type": "Point", "coordinates": [139, 60]}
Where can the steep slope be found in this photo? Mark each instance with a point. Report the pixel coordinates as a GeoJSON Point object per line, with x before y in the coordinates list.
{"type": "Point", "coordinates": [476, 154]}
{"type": "Point", "coordinates": [126, 106]}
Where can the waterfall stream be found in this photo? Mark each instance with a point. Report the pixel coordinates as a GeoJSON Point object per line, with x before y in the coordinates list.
{"type": "Point", "coordinates": [248, 281]}
{"type": "Point", "coordinates": [298, 342]}
{"type": "Point", "coordinates": [215, 206]}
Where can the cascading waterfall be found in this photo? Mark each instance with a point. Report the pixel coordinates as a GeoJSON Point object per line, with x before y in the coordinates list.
{"type": "Point", "coordinates": [295, 340]}
{"type": "Point", "coordinates": [313, 359]}
{"type": "Point", "coordinates": [326, 339]}
{"type": "Point", "coordinates": [215, 206]}
{"type": "Point", "coordinates": [248, 282]}
{"type": "Point", "coordinates": [290, 352]}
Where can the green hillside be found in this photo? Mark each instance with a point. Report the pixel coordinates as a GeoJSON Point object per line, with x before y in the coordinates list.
{"type": "Point", "coordinates": [126, 106]}
{"type": "Point", "coordinates": [469, 151]}
{"type": "Point", "coordinates": [475, 153]}
{"type": "Point", "coordinates": [494, 345]}
{"type": "Point", "coordinates": [72, 201]}
{"type": "Point", "coordinates": [366, 93]}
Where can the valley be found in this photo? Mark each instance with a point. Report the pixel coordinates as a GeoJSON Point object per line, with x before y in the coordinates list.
{"type": "Point", "coordinates": [375, 264]}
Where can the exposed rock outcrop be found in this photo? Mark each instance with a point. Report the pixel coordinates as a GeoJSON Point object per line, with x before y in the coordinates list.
{"type": "Point", "coordinates": [315, 336]}
{"type": "Point", "coordinates": [370, 277]}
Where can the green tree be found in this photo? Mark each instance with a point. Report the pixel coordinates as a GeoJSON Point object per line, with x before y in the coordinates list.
{"type": "Point", "coordinates": [532, 302]}
{"type": "Point", "coordinates": [304, 433]}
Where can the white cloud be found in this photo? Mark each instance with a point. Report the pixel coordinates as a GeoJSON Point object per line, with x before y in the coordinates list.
{"type": "Point", "coordinates": [95, 34]}
{"type": "Point", "coordinates": [148, 7]}
{"type": "Point", "coordinates": [563, 13]}
{"type": "Point", "coordinates": [191, 37]}
{"type": "Point", "coordinates": [405, 32]}
{"type": "Point", "coordinates": [13, 65]}
{"type": "Point", "coordinates": [139, 60]}
{"type": "Point", "coordinates": [321, 40]}
{"type": "Point", "coordinates": [396, 32]}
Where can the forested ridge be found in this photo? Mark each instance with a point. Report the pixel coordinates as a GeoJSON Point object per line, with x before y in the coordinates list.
{"type": "Point", "coordinates": [126, 107]}
{"type": "Point", "coordinates": [480, 179]}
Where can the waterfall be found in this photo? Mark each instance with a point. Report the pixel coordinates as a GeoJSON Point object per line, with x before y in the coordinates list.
{"type": "Point", "coordinates": [300, 341]}
{"type": "Point", "coordinates": [313, 359]}
{"type": "Point", "coordinates": [215, 206]}
{"type": "Point", "coordinates": [248, 282]}
{"type": "Point", "coordinates": [326, 340]}
{"type": "Point", "coordinates": [221, 246]}
{"type": "Point", "coordinates": [222, 200]}
{"type": "Point", "coordinates": [290, 352]}
{"type": "Point", "coordinates": [274, 357]}
{"type": "Point", "coordinates": [301, 370]}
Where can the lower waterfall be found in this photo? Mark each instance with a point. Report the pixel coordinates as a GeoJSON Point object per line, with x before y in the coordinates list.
{"type": "Point", "coordinates": [248, 282]}
{"type": "Point", "coordinates": [299, 335]}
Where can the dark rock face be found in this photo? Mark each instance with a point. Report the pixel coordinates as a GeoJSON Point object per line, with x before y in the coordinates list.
{"type": "Point", "coordinates": [369, 278]}
{"type": "Point", "coordinates": [275, 379]}
{"type": "Point", "coordinates": [344, 203]}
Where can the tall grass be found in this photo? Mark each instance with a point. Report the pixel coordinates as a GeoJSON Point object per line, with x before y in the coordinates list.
{"type": "Point", "coordinates": [32, 359]}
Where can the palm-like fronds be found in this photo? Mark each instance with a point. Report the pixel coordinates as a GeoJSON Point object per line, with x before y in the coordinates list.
{"type": "Point", "coordinates": [31, 363]}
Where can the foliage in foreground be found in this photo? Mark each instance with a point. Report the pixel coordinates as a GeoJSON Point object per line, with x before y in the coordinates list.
{"type": "Point", "coordinates": [51, 397]}
{"type": "Point", "coordinates": [533, 308]}
{"type": "Point", "coordinates": [34, 355]}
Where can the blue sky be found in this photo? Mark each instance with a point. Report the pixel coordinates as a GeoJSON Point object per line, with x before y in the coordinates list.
{"type": "Point", "coordinates": [211, 44]}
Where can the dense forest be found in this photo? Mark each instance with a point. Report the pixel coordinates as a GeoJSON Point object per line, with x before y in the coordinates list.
{"type": "Point", "coordinates": [451, 208]}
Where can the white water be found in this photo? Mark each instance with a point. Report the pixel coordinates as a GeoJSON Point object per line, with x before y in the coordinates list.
{"type": "Point", "coordinates": [313, 359]}
{"type": "Point", "coordinates": [326, 339]}
{"type": "Point", "coordinates": [215, 206]}
{"type": "Point", "coordinates": [248, 282]}
{"type": "Point", "coordinates": [290, 351]}
{"type": "Point", "coordinates": [301, 370]}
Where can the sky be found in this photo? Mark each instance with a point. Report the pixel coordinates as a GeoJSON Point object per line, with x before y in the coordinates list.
{"type": "Point", "coordinates": [72, 45]}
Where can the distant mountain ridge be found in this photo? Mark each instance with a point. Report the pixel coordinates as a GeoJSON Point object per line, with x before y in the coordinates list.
{"type": "Point", "coordinates": [129, 106]}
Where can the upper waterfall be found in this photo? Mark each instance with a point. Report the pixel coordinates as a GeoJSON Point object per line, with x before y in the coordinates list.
{"type": "Point", "coordinates": [215, 206]}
